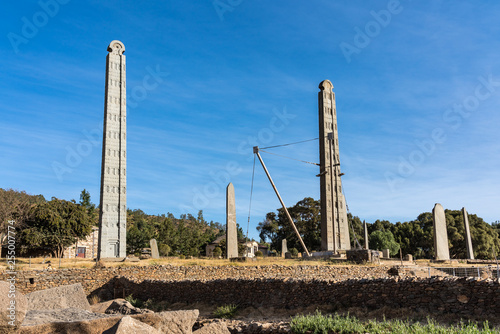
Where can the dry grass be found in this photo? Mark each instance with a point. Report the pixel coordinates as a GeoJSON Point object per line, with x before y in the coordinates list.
{"type": "Point", "coordinates": [94, 300]}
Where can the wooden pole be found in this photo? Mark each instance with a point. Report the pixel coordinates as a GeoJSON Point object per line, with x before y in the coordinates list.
{"type": "Point", "coordinates": [256, 151]}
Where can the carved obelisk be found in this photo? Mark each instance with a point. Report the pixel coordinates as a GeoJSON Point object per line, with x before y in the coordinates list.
{"type": "Point", "coordinates": [468, 239]}
{"type": "Point", "coordinates": [334, 223]}
{"type": "Point", "coordinates": [113, 204]}
{"type": "Point", "coordinates": [231, 232]}
{"type": "Point", "coordinates": [440, 233]}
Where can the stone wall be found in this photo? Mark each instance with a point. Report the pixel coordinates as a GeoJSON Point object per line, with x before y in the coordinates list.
{"type": "Point", "coordinates": [460, 296]}
{"type": "Point", "coordinates": [93, 279]}
{"type": "Point", "coordinates": [278, 286]}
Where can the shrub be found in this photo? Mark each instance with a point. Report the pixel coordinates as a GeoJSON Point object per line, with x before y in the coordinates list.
{"type": "Point", "coordinates": [164, 249]}
{"type": "Point", "coordinates": [226, 311]}
{"type": "Point", "coordinates": [294, 251]}
{"type": "Point", "coordinates": [217, 252]}
{"type": "Point", "coordinates": [134, 301]}
{"type": "Point", "coordinates": [259, 254]}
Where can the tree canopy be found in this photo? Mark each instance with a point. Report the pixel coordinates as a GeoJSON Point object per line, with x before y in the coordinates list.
{"type": "Point", "coordinates": [54, 225]}
{"type": "Point", "coordinates": [414, 237]}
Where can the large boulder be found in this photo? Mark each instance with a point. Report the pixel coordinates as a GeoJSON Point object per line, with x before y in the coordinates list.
{"type": "Point", "coordinates": [67, 296]}
{"type": "Point", "coordinates": [14, 307]}
{"type": "Point", "coordinates": [73, 321]}
{"type": "Point", "coordinates": [129, 325]}
{"type": "Point", "coordinates": [103, 306]}
{"type": "Point", "coordinates": [38, 317]}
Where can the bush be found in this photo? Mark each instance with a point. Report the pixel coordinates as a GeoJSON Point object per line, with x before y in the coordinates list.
{"type": "Point", "coordinates": [259, 254]}
{"type": "Point", "coordinates": [134, 301]}
{"type": "Point", "coordinates": [294, 251]}
{"type": "Point", "coordinates": [164, 249]}
{"type": "Point", "coordinates": [226, 311]}
{"type": "Point", "coordinates": [217, 252]}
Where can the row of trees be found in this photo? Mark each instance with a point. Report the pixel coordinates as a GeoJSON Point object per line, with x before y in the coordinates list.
{"type": "Point", "coordinates": [49, 227]}
{"type": "Point", "coordinates": [414, 237]}
{"type": "Point", "coordinates": [187, 235]}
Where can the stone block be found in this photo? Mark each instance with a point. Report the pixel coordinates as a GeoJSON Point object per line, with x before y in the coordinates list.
{"type": "Point", "coordinates": [288, 255]}
{"type": "Point", "coordinates": [67, 296]}
{"type": "Point", "coordinates": [386, 254]}
{"type": "Point", "coordinates": [72, 321]}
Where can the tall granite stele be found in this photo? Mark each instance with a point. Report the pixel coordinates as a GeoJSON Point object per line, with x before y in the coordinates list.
{"type": "Point", "coordinates": [440, 233]}
{"type": "Point", "coordinates": [334, 223]}
{"type": "Point", "coordinates": [231, 231]}
{"type": "Point", "coordinates": [113, 204]}
{"type": "Point", "coordinates": [468, 239]}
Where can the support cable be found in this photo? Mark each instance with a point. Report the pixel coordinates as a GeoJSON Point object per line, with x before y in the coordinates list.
{"type": "Point", "coordinates": [298, 142]}
{"type": "Point", "coordinates": [283, 156]}
{"type": "Point", "coordinates": [251, 193]}
{"type": "Point", "coordinates": [352, 227]}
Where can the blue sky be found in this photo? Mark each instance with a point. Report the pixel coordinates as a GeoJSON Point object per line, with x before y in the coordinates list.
{"type": "Point", "coordinates": [417, 87]}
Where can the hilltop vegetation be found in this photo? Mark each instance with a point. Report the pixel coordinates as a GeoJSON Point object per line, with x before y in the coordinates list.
{"type": "Point", "coordinates": [45, 227]}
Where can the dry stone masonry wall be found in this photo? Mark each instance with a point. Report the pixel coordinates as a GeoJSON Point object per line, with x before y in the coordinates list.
{"type": "Point", "coordinates": [279, 287]}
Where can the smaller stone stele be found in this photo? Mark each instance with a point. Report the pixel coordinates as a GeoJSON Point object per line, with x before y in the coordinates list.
{"type": "Point", "coordinates": [154, 249]}
{"type": "Point", "coordinates": [365, 228]}
{"type": "Point", "coordinates": [386, 254]}
{"type": "Point", "coordinates": [441, 248]}
{"type": "Point", "coordinates": [468, 239]}
{"type": "Point", "coordinates": [231, 228]}
{"type": "Point", "coordinates": [284, 248]}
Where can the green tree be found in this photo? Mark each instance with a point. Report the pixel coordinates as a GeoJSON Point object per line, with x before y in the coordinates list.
{"type": "Point", "coordinates": [381, 240]}
{"type": "Point", "coordinates": [306, 216]}
{"type": "Point", "coordinates": [92, 212]}
{"type": "Point", "coordinates": [138, 236]}
{"type": "Point", "coordinates": [55, 225]}
{"type": "Point", "coordinates": [164, 249]}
